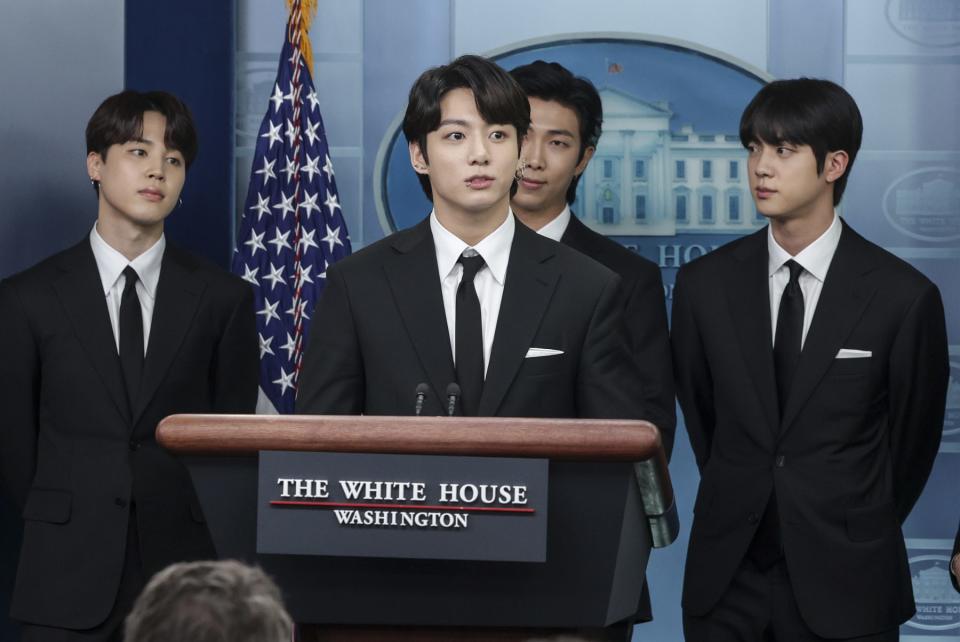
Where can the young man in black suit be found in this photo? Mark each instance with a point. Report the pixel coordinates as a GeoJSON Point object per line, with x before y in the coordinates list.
{"type": "Point", "coordinates": [99, 343]}
{"type": "Point", "coordinates": [526, 326]}
{"type": "Point", "coordinates": [812, 373]}
{"type": "Point", "coordinates": [566, 117]}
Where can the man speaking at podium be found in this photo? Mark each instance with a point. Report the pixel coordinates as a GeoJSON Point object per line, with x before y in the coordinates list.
{"type": "Point", "coordinates": [524, 326]}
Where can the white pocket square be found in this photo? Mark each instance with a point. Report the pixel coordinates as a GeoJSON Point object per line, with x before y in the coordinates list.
{"type": "Point", "coordinates": [847, 353]}
{"type": "Point", "coordinates": [542, 352]}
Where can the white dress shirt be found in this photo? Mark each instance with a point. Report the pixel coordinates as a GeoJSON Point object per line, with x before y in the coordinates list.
{"type": "Point", "coordinates": [489, 281]}
{"type": "Point", "coordinates": [555, 228]}
{"type": "Point", "coordinates": [814, 259]}
{"type": "Point", "coordinates": [110, 265]}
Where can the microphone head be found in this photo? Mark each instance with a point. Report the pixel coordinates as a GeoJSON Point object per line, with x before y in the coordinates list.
{"type": "Point", "coordinates": [453, 390]}
{"type": "Point", "coordinates": [423, 388]}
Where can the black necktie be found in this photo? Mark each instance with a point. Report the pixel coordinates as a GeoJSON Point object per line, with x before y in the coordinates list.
{"type": "Point", "coordinates": [469, 337]}
{"type": "Point", "coordinates": [786, 345]}
{"type": "Point", "coordinates": [131, 336]}
{"type": "Point", "coordinates": [766, 549]}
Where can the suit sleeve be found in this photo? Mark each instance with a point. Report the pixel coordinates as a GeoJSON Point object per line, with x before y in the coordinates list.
{"type": "Point", "coordinates": [236, 373]}
{"type": "Point", "coordinates": [19, 397]}
{"type": "Point", "coordinates": [692, 373]}
{"type": "Point", "coordinates": [607, 380]}
{"type": "Point", "coordinates": [645, 320]}
{"type": "Point", "coordinates": [332, 380]}
{"type": "Point", "coordinates": [919, 372]}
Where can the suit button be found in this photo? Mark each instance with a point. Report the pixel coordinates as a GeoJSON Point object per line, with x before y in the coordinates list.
{"type": "Point", "coordinates": [753, 518]}
{"type": "Point", "coordinates": [134, 445]}
{"type": "Point", "coordinates": [781, 461]}
{"type": "Point", "coordinates": [120, 501]}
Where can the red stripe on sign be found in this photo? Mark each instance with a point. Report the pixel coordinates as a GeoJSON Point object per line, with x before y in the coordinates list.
{"type": "Point", "coordinates": [471, 509]}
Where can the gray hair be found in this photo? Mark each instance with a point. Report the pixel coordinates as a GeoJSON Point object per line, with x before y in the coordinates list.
{"type": "Point", "coordinates": [217, 601]}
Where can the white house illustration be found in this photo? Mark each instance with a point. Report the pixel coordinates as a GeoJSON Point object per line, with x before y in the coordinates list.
{"type": "Point", "coordinates": [645, 180]}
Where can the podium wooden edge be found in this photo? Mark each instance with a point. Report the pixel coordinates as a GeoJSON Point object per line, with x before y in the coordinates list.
{"type": "Point", "coordinates": [563, 439]}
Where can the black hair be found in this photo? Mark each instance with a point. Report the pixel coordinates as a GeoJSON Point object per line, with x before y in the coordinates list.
{"type": "Point", "coordinates": [499, 100]}
{"type": "Point", "coordinates": [806, 111]}
{"type": "Point", "coordinates": [119, 119]}
{"type": "Point", "coordinates": [552, 81]}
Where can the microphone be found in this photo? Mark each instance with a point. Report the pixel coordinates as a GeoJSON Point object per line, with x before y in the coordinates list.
{"type": "Point", "coordinates": [422, 390]}
{"type": "Point", "coordinates": [453, 393]}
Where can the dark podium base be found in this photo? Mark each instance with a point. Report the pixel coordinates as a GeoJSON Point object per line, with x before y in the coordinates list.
{"type": "Point", "coordinates": [597, 547]}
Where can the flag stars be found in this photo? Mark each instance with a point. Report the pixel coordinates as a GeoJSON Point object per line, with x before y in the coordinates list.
{"type": "Point", "coordinates": [265, 345]}
{"type": "Point", "coordinates": [306, 240]}
{"type": "Point", "coordinates": [311, 167]}
{"type": "Point", "coordinates": [291, 133]}
{"type": "Point", "coordinates": [285, 205]}
{"type": "Point", "coordinates": [269, 311]}
{"type": "Point", "coordinates": [292, 95]}
{"type": "Point", "coordinates": [275, 276]}
{"type": "Point", "coordinates": [301, 307]}
{"type": "Point", "coordinates": [273, 134]}
{"type": "Point", "coordinates": [333, 237]}
{"type": "Point", "coordinates": [290, 346]}
{"type": "Point", "coordinates": [328, 168]}
{"type": "Point", "coordinates": [280, 241]}
{"type": "Point", "coordinates": [250, 276]}
{"type": "Point", "coordinates": [267, 170]}
{"type": "Point", "coordinates": [285, 381]}
{"type": "Point", "coordinates": [262, 207]}
{"type": "Point", "coordinates": [255, 242]}
{"type": "Point", "coordinates": [309, 202]}
{"type": "Point", "coordinates": [332, 203]}
{"type": "Point", "coordinates": [290, 170]}
{"type": "Point", "coordinates": [312, 97]}
{"type": "Point", "coordinates": [303, 276]}
{"type": "Point", "coordinates": [277, 97]}
{"type": "Point", "coordinates": [311, 131]}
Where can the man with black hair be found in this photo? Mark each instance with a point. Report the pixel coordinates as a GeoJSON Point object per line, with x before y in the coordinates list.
{"type": "Point", "coordinates": [526, 326]}
{"type": "Point", "coordinates": [812, 373]}
{"type": "Point", "coordinates": [566, 118]}
{"type": "Point", "coordinates": [99, 343]}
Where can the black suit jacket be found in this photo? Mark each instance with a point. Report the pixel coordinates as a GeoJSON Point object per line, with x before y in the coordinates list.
{"type": "Point", "coordinates": [857, 439]}
{"type": "Point", "coordinates": [380, 330]}
{"type": "Point", "coordinates": [645, 321]}
{"type": "Point", "coordinates": [72, 456]}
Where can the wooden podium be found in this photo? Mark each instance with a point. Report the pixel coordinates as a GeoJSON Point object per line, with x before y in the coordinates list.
{"type": "Point", "coordinates": [610, 501]}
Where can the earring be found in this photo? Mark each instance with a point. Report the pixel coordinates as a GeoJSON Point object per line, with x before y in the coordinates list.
{"type": "Point", "coordinates": [180, 202]}
{"type": "Point", "coordinates": [521, 166]}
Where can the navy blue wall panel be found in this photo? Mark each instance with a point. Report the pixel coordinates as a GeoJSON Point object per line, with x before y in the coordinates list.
{"type": "Point", "coordinates": [187, 48]}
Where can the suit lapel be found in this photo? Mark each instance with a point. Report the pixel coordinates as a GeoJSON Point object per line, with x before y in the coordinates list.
{"type": "Point", "coordinates": [178, 297]}
{"type": "Point", "coordinates": [573, 236]}
{"type": "Point", "coordinates": [81, 292]}
{"type": "Point", "coordinates": [844, 297]}
{"type": "Point", "coordinates": [749, 301]}
{"type": "Point", "coordinates": [413, 278]}
{"type": "Point", "coordinates": [530, 281]}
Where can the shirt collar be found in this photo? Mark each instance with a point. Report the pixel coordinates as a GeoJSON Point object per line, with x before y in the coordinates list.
{"type": "Point", "coordinates": [111, 263]}
{"type": "Point", "coordinates": [815, 258]}
{"type": "Point", "coordinates": [494, 248]}
{"type": "Point", "coordinates": [555, 228]}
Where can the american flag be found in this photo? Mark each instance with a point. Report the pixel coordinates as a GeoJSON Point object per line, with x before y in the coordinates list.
{"type": "Point", "coordinates": [292, 226]}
